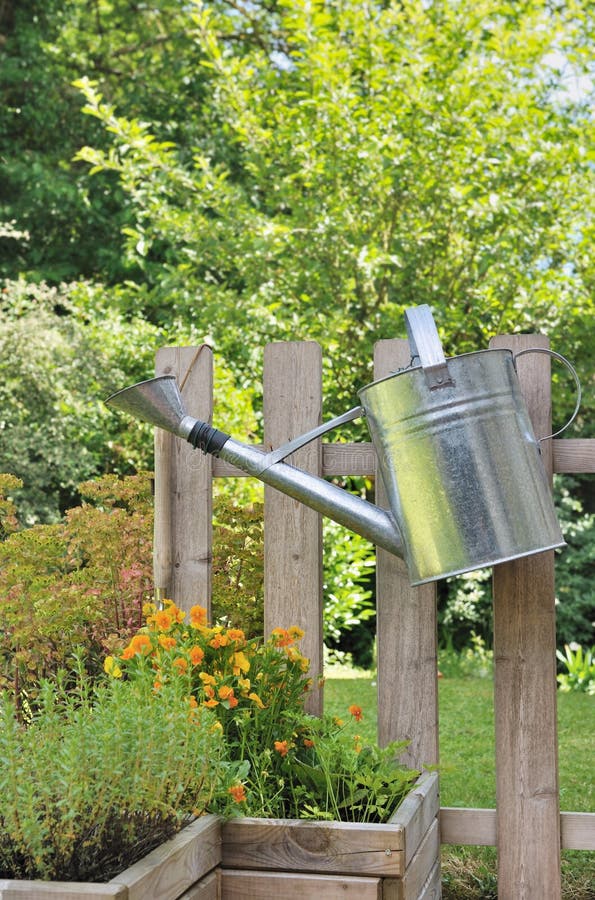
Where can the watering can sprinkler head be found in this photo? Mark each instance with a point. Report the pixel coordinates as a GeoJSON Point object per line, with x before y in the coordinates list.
{"type": "Point", "coordinates": [456, 452]}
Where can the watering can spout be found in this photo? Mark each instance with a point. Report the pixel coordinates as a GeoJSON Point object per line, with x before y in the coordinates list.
{"type": "Point", "coordinates": [158, 402]}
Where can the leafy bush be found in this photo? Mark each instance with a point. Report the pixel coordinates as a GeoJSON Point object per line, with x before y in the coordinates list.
{"type": "Point", "coordinates": [80, 582]}
{"type": "Point", "coordinates": [286, 762]}
{"type": "Point", "coordinates": [580, 669]}
{"type": "Point", "coordinates": [100, 776]}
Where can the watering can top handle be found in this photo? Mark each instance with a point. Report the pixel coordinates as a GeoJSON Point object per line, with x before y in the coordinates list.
{"type": "Point", "coordinates": [425, 345]}
{"type": "Point", "coordinates": [572, 371]}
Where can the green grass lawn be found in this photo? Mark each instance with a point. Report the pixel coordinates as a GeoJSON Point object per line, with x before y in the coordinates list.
{"type": "Point", "coordinates": [467, 771]}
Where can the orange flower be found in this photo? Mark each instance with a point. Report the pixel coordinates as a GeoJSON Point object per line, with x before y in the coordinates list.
{"type": "Point", "coordinates": [308, 742]}
{"type": "Point", "coordinates": [281, 637]}
{"type": "Point", "coordinates": [198, 616]}
{"type": "Point", "coordinates": [282, 747]}
{"type": "Point", "coordinates": [181, 664]}
{"type": "Point", "coordinates": [161, 620]}
{"type": "Point", "coordinates": [356, 712]}
{"type": "Point", "coordinates": [236, 634]}
{"type": "Point", "coordinates": [227, 696]}
{"type": "Point", "coordinates": [177, 614]}
{"type": "Point", "coordinates": [140, 643]}
{"type": "Point", "coordinates": [210, 703]}
{"type": "Point", "coordinates": [196, 655]}
{"type": "Point", "coordinates": [166, 642]}
{"type": "Point", "coordinates": [220, 640]}
{"type": "Point", "coordinates": [238, 792]}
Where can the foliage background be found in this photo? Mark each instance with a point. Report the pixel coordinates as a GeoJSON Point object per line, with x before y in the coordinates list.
{"type": "Point", "coordinates": [238, 173]}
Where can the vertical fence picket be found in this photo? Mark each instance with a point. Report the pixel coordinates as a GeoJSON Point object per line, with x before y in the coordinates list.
{"type": "Point", "coordinates": [183, 487]}
{"type": "Point", "coordinates": [525, 687]}
{"type": "Point", "coordinates": [292, 531]}
{"type": "Point", "coordinates": [406, 631]}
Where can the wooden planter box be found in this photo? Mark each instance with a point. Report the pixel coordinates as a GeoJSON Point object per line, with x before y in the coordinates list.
{"type": "Point", "coordinates": [274, 859]}
{"type": "Point", "coordinates": [184, 867]}
{"type": "Point", "coordinates": [278, 859]}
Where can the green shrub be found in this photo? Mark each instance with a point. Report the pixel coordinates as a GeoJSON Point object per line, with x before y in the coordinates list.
{"type": "Point", "coordinates": [579, 665]}
{"type": "Point", "coordinates": [78, 583]}
{"type": "Point", "coordinates": [99, 777]}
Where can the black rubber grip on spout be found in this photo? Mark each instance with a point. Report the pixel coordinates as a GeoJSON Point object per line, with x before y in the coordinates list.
{"type": "Point", "coordinates": [206, 438]}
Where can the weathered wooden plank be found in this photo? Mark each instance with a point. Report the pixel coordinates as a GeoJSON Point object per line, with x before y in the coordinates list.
{"type": "Point", "coordinates": [183, 489]}
{"type": "Point", "coordinates": [68, 890]}
{"type": "Point", "coordinates": [406, 632]}
{"type": "Point", "coordinates": [525, 686]}
{"type": "Point", "coordinates": [177, 865]}
{"type": "Point", "coordinates": [471, 827]}
{"type": "Point", "coordinates": [293, 532]}
{"type": "Point", "coordinates": [418, 871]}
{"type": "Point", "coordinates": [475, 827]}
{"type": "Point", "coordinates": [574, 455]}
{"type": "Point", "coordinates": [416, 812]}
{"type": "Point", "coordinates": [306, 846]}
{"type": "Point", "coordinates": [578, 831]}
{"type": "Point", "coordinates": [432, 889]}
{"type": "Point", "coordinates": [246, 885]}
{"type": "Point", "coordinates": [208, 888]}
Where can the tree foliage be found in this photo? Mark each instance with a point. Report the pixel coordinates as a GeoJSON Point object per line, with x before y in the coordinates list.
{"type": "Point", "coordinates": [277, 169]}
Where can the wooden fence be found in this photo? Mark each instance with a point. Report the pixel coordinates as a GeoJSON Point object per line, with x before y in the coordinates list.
{"type": "Point", "coordinates": [527, 826]}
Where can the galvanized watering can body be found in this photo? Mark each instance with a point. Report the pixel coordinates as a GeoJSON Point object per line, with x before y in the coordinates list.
{"type": "Point", "coordinates": [457, 454]}
{"type": "Point", "coordinates": [461, 466]}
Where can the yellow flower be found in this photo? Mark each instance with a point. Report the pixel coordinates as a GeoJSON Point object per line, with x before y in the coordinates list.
{"type": "Point", "coordinates": [111, 667]}
{"type": "Point", "coordinates": [174, 611]}
{"type": "Point", "coordinates": [206, 678]}
{"type": "Point", "coordinates": [240, 663]}
{"type": "Point", "coordinates": [296, 633]}
{"type": "Point", "coordinates": [148, 608]}
{"type": "Point", "coordinates": [256, 699]}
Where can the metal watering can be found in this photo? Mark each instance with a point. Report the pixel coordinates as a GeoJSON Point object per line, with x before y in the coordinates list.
{"type": "Point", "coordinates": [460, 463]}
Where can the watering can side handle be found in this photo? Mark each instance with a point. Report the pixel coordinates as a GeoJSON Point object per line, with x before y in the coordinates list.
{"type": "Point", "coordinates": [574, 374]}
{"type": "Point", "coordinates": [280, 453]}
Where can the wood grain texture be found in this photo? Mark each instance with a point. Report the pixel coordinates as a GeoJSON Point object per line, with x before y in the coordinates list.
{"type": "Point", "coordinates": [325, 847]}
{"type": "Point", "coordinates": [417, 812]}
{"type": "Point", "coordinates": [475, 827]}
{"type": "Point", "coordinates": [406, 632]}
{"type": "Point", "coordinates": [208, 888]}
{"type": "Point", "coordinates": [68, 890]}
{"type": "Point", "coordinates": [528, 823]}
{"type": "Point", "coordinates": [183, 487]}
{"type": "Point", "coordinates": [242, 885]}
{"type": "Point", "coordinates": [177, 865]}
{"type": "Point", "coordinates": [292, 531]}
